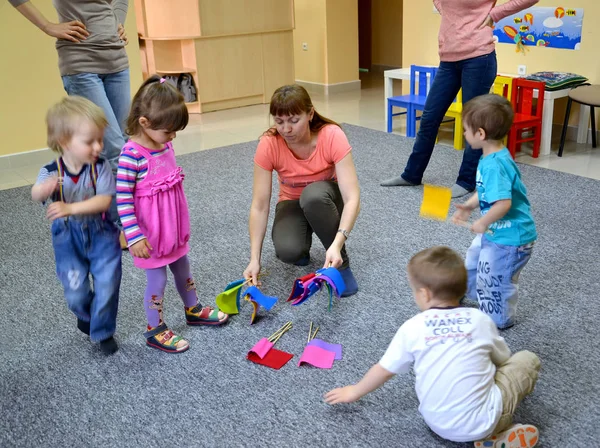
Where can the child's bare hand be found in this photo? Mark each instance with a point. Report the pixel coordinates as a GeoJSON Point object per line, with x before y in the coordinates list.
{"type": "Point", "coordinates": [49, 186]}
{"type": "Point", "coordinates": [58, 210]}
{"type": "Point", "coordinates": [341, 395]}
{"type": "Point", "coordinates": [462, 214]}
{"type": "Point", "coordinates": [141, 249]}
{"type": "Point", "coordinates": [479, 227]}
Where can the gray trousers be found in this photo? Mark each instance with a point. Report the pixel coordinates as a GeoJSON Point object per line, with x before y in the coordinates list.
{"type": "Point", "coordinates": [319, 209]}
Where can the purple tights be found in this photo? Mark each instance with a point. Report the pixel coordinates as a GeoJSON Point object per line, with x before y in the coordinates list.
{"type": "Point", "coordinates": [157, 282]}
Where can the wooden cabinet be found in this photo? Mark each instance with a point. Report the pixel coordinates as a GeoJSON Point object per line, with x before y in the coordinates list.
{"type": "Point", "coordinates": [238, 51]}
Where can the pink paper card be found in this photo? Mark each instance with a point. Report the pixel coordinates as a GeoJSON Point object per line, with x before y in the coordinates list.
{"type": "Point", "coordinates": [335, 348]}
{"type": "Point", "coordinates": [262, 347]}
{"type": "Point", "coordinates": [274, 358]}
{"type": "Point", "coordinates": [317, 357]}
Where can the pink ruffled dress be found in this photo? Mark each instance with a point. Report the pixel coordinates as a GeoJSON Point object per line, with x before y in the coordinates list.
{"type": "Point", "coordinates": [161, 209]}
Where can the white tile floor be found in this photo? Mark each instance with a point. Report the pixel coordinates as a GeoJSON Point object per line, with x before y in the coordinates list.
{"type": "Point", "coordinates": [362, 108]}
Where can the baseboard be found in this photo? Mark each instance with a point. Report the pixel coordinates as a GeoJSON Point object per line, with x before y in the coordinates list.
{"type": "Point", "coordinates": [19, 160]}
{"type": "Point", "coordinates": [44, 155]}
{"type": "Point", "coordinates": [326, 89]}
{"type": "Point", "coordinates": [571, 133]}
{"type": "Point", "coordinates": [380, 68]}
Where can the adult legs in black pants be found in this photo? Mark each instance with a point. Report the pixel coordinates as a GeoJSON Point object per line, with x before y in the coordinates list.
{"type": "Point", "coordinates": [475, 76]}
{"type": "Point", "coordinates": [319, 209]}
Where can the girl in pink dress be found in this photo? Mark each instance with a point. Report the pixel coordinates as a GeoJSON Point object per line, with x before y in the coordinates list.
{"type": "Point", "coordinates": [154, 211]}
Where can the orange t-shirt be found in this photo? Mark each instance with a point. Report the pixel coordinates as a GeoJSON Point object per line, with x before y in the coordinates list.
{"type": "Point", "coordinates": [295, 174]}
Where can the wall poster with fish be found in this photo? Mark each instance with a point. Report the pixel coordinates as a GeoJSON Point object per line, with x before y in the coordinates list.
{"type": "Point", "coordinates": [542, 26]}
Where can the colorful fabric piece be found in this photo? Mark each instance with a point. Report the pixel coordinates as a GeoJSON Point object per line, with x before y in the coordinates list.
{"type": "Point", "coordinates": [261, 348]}
{"type": "Point", "coordinates": [274, 358]}
{"type": "Point", "coordinates": [229, 300]}
{"type": "Point", "coordinates": [436, 202]}
{"type": "Point", "coordinates": [336, 349]}
{"type": "Point", "coordinates": [298, 287]}
{"type": "Point", "coordinates": [317, 356]}
{"type": "Point", "coordinates": [330, 277]}
{"type": "Point", "coordinates": [254, 309]}
{"type": "Point", "coordinates": [256, 295]}
{"type": "Point", "coordinates": [558, 80]}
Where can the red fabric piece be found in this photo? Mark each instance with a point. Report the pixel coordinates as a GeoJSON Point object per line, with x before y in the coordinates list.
{"type": "Point", "coordinates": [274, 359]}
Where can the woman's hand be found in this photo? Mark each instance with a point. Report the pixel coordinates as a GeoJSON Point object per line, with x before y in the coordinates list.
{"type": "Point", "coordinates": [487, 22]}
{"type": "Point", "coordinates": [251, 273]}
{"type": "Point", "coordinates": [141, 249]}
{"type": "Point", "coordinates": [74, 31]}
{"type": "Point", "coordinates": [333, 257]}
{"type": "Point", "coordinates": [122, 34]}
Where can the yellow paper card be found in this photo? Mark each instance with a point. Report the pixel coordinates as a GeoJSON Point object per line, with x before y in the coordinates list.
{"type": "Point", "coordinates": [436, 202]}
{"type": "Point", "coordinates": [228, 300]}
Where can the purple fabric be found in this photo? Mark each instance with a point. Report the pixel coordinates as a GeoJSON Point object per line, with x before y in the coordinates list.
{"type": "Point", "coordinates": [317, 357]}
{"type": "Point", "coordinates": [336, 349]}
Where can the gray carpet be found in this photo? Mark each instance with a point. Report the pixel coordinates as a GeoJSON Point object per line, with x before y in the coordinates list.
{"type": "Point", "coordinates": [56, 389]}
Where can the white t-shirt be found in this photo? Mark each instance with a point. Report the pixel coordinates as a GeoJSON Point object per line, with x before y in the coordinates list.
{"type": "Point", "coordinates": [455, 352]}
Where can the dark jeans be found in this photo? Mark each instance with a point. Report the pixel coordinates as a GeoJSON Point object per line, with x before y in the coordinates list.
{"type": "Point", "coordinates": [89, 246]}
{"type": "Point", "coordinates": [475, 76]}
{"type": "Point", "coordinates": [319, 209]}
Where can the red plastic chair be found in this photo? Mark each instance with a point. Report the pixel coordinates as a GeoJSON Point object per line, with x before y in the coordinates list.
{"type": "Point", "coordinates": [528, 116]}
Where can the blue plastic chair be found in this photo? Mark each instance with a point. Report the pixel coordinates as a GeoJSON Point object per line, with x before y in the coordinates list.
{"type": "Point", "coordinates": [419, 88]}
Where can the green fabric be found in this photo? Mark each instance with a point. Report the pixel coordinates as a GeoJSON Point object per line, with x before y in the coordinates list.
{"type": "Point", "coordinates": [557, 80]}
{"type": "Point", "coordinates": [228, 300]}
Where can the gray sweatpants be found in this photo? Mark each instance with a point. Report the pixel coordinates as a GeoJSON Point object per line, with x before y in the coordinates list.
{"type": "Point", "coordinates": [319, 209]}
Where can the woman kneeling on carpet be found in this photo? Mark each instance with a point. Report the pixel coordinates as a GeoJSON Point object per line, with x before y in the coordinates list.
{"type": "Point", "coordinates": [318, 186]}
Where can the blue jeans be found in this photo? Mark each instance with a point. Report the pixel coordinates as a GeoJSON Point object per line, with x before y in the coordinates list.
{"type": "Point", "coordinates": [111, 92]}
{"type": "Point", "coordinates": [493, 272]}
{"type": "Point", "coordinates": [475, 76]}
{"type": "Point", "coordinates": [84, 246]}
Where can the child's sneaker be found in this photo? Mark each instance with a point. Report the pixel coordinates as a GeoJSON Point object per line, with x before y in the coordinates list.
{"type": "Point", "coordinates": [207, 315]}
{"type": "Point", "coordinates": [518, 436]}
{"type": "Point", "coordinates": [164, 339]}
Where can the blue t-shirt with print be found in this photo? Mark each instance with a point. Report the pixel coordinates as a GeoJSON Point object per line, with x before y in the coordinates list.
{"type": "Point", "coordinates": [499, 178]}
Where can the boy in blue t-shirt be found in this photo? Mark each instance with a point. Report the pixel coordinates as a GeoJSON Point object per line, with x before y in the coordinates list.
{"type": "Point", "coordinates": [80, 187]}
{"type": "Point", "coordinates": [506, 230]}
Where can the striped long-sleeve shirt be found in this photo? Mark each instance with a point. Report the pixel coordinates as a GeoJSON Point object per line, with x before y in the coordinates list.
{"type": "Point", "coordinates": [133, 167]}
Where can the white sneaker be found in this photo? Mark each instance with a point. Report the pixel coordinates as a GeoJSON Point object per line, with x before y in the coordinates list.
{"type": "Point", "coordinates": [517, 436]}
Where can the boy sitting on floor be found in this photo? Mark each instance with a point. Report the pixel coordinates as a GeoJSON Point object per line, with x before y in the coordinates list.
{"type": "Point", "coordinates": [467, 382]}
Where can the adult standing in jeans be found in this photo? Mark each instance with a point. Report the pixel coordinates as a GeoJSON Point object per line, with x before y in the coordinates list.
{"type": "Point", "coordinates": [318, 186]}
{"type": "Point", "coordinates": [467, 61]}
{"type": "Point", "coordinates": [92, 60]}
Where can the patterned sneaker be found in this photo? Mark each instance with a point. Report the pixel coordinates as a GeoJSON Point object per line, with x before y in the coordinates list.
{"type": "Point", "coordinates": [518, 436]}
{"type": "Point", "coordinates": [164, 339]}
{"type": "Point", "coordinates": [207, 315]}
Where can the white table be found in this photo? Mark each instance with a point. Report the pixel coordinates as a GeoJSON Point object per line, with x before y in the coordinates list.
{"type": "Point", "coordinates": [547, 115]}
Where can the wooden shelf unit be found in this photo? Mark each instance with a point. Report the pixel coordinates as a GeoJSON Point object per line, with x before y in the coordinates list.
{"type": "Point", "coordinates": [238, 51]}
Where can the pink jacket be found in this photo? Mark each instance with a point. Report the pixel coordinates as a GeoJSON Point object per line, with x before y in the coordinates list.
{"type": "Point", "coordinates": [460, 37]}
